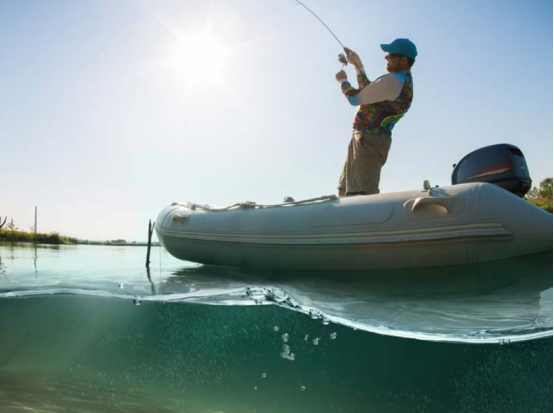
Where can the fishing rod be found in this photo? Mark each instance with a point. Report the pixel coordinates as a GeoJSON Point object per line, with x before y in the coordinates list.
{"type": "Point", "coordinates": [342, 57]}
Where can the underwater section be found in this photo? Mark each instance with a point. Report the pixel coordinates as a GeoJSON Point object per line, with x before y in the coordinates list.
{"type": "Point", "coordinates": [89, 329]}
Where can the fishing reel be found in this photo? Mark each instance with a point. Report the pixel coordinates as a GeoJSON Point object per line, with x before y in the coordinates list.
{"type": "Point", "coordinates": [342, 59]}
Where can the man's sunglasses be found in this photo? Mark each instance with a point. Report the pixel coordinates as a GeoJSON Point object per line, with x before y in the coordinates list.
{"type": "Point", "coordinates": [392, 56]}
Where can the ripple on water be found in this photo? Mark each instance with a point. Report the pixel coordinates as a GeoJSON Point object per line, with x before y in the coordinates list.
{"type": "Point", "coordinates": [499, 302]}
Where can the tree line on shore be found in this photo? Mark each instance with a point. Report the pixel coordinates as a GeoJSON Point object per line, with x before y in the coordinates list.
{"type": "Point", "coordinates": [542, 196]}
{"type": "Point", "coordinates": [10, 233]}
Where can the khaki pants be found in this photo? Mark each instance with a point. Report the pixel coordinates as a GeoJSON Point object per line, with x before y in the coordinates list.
{"type": "Point", "coordinates": [366, 156]}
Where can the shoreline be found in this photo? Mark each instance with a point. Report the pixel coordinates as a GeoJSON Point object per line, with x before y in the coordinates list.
{"type": "Point", "coordinates": [10, 237]}
{"type": "Point", "coordinates": [100, 243]}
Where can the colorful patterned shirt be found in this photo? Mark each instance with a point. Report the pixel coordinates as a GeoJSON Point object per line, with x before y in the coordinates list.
{"type": "Point", "coordinates": [382, 103]}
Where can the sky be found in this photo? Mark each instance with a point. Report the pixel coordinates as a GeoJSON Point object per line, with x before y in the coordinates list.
{"type": "Point", "coordinates": [113, 109]}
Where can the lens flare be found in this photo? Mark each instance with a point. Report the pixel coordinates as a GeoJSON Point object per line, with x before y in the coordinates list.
{"type": "Point", "coordinates": [201, 57]}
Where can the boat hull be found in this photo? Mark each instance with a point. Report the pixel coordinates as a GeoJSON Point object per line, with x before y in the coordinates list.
{"type": "Point", "coordinates": [455, 225]}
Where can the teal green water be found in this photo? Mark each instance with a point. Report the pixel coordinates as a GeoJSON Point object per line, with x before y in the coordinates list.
{"type": "Point", "coordinates": [87, 329]}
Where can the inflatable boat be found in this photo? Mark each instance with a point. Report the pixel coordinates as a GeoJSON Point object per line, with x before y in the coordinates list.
{"type": "Point", "coordinates": [460, 224]}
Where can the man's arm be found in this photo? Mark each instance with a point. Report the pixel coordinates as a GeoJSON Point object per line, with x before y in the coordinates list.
{"type": "Point", "coordinates": [363, 81]}
{"type": "Point", "coordinates": [355, 61]}
{"type": "Point", "coordinates": [347, 88]}
{"type": "Point", "coordinates": [387, 87]}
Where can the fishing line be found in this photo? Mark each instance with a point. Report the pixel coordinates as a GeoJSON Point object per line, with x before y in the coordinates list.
{"type": "Point", "coordinates": [342, 58]}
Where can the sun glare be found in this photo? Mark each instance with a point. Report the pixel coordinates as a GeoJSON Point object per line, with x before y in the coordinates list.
{"type": "Point", "coordinates": [201, 57]}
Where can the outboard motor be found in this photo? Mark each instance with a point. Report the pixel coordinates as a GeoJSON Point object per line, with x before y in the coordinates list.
{"type": "Point", "coordinates": [503, 165]}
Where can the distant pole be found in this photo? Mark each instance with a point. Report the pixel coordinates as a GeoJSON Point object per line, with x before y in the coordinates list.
{"type": "Point", "coordinates": [35, 220]}
{"type": "Point", "coordinates": [150, 230]}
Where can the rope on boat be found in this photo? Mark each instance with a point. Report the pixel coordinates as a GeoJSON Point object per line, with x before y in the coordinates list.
{"type": "Point", "coordinates": [253, 205]}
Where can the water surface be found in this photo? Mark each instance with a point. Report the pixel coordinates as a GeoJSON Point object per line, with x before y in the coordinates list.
{"type": "Point", "coordinates": [88, 328]}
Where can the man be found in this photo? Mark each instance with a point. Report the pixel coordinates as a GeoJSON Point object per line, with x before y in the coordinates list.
{"type": "Point", "coordinates": [381, 105]}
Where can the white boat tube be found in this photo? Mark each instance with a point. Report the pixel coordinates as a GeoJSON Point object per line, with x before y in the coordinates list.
{"type": "Point", "coordinates": [451, 225]}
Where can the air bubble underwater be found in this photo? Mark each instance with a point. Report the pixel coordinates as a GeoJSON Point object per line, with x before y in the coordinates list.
{"type": "Point", "coordinates": [314, 314]}
{"type": "Point", "coordinates": [287, 354]}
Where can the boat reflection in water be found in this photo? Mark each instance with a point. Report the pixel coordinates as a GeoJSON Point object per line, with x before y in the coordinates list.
{"type": "Point", "coordinates": [495, 302]}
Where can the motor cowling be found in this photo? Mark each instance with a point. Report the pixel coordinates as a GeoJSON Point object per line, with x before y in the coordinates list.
{"type": "Point", "coordinates": [503, 165]}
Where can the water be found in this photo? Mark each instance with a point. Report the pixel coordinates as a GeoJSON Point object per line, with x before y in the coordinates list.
{"type": "Point", "coordinates": [88, 329]}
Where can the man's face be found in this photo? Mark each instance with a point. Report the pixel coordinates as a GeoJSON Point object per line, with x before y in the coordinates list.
{"type": "Point", "coordinates": [395, 62]}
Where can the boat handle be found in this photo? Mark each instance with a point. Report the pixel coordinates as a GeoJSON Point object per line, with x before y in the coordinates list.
{"type": "Point", "coordinates": [426, 201]}
{"type": "Point", "coordinates": [179, 219]}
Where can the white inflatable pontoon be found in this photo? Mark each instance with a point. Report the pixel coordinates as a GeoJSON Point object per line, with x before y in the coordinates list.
{"type": "Point", "coordinates": [453, 225]}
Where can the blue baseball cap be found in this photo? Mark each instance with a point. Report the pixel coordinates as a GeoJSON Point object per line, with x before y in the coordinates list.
{"type": "Point", "coordinates": [403, 46]}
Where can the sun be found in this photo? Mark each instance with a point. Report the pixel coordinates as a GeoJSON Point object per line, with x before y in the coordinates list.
{"type": "Point", "coordinates": [200, 58]}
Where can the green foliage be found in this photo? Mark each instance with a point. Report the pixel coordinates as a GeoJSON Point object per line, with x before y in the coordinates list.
{"type": "Point", "coordinates": [532, 194]}
{"type": "Point", "coordinates": [11, 226]}
{"type": "Point", "coordinates": [12, 234]}
{"type": "Point", "coordinates": [546, 188]}
{"type": "Point", "coordinates": [541, 197]}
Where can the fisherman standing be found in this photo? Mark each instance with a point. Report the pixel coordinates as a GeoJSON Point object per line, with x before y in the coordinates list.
{"type": "Point", "coordinates": [382, 103]}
